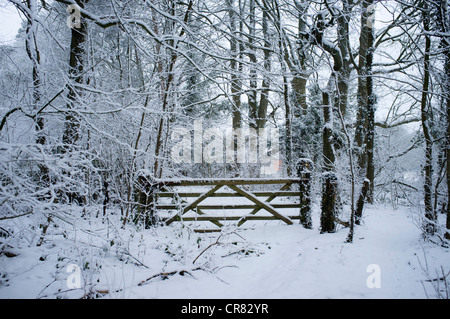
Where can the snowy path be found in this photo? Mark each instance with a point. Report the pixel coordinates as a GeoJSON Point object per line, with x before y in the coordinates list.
{"type": "Point", "coordinates": [305, 264]}
{"type": "Point", "coordinates": [268, 260]}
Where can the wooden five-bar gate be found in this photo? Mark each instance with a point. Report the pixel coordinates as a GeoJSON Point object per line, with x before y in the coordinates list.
{"type": "Point", "coordinates": [171, 200]}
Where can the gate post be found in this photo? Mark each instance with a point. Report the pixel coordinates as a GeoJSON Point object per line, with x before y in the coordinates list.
{"type": "Point", "coordinates": [304, 168]}
{"type": "Point", "coordinates": [146, 201]}
{"type": "Point", "coordinates": [329, 202]}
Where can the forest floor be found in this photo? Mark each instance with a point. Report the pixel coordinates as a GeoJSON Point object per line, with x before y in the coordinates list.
{"type": "Point", "coordinates": [388, 259]}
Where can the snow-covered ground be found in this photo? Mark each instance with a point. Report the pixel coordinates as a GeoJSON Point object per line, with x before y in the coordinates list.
{"type": "Point", "coordinates": [258, 260]}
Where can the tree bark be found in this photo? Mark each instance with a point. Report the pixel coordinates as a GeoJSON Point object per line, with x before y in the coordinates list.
{"type": "Point", "coordinates": [344, 45]}
{"type": "Point", "coordinates": [360, 203]}
{"type": "Point", "coordinates": [34, 56]}
{"type": "Point", "coordinates": [288, 125]}
{"type": "Point", "coordinates": [327, 133]}
{"type": "Point", "coordinates": [329, 179]}
{"type": "Point", "coordinates": [447, 87]}
{"type": "Point", "coordinates": [370, 137]}
{"type": "Point", "coordinates": [304, 168]}
{"type": "Point", "coordinates": [300, 73]}
{"type": "Point", "coordinates": [329, 182]}
{"type": "Point", "coordinates": [76, 68]}
{"type": "Point", "coordinates": [329, 203]}
{"type": "Point", "coordinates": [425, 117]}
{"type": "Point", "coordinates": [365, 120]}
{"type": "Point", "coordinates": [252, 94]}
{"type": "Point", "coordinates": [235, 68]}
{"type": "Point", "coordinates": [443, 20]}
{"type": "Point", "coordinates": [264, 98]}
{"type": "Point", "coordinates": [362, 95]}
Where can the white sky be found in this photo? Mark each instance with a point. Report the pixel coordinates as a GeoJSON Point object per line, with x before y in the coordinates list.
{"type": "Point", "coordinates": [10, 22]}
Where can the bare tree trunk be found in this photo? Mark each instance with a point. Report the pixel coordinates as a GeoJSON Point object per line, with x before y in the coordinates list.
{"type": "Point", "coordinates": [264, 99]}
{"type": "Point", "coordinates": [327, 136]}
{"type": "Point", "coordinates": [236, 68]}
{"type": "Point", "coordinates": [329, 179]}
{"type": "Point", "coordinates": [300, 73]}
{"type": "Point", "coordinates": [443, 20]}
{"type": "Point", "coordinates": [370, 137]}
{"type": "Point", "coordinates": [300, 80]}
{"type": "Point", "coordinates": [252, 94]}
{"type": "Point", "coordinates": [344, 45]}
{"type": "Point", "coordinates": [166, 92]}
{"type": "Point", "coordinates": [295, 60]}
{"type": "Point", "coordinates": [360, 203]}
{"type": "Point", "coordinates": [304, 169]}
{"type": "Point", "coordinates": [34, 56]}
{"type": "Point", "coordinates": [76, 68]}
{"type": "Point", "coordinates": [288, 125]}
{"type": "Point", "coordinates": [365, 121]}
{"type": "Point", "coordinates": [362, 96]}
{"type": "Point", "coordinates": [447, 93]}
{"type": "Point", "coordinates": [425, 117]}
{"type": "Point", "coordinates": [447, 97]}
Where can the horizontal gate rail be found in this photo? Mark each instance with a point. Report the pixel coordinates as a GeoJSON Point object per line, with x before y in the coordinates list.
{"type": "Point", "coordinates": [179, 190]}
{"type": "Point", "coordinates": [231, 218]}
{"type": "Point", "coordinates": [227, 194]}
{"type": "Point", "coordinates": [230, 206]}
{"type": "Point", "coordinates": [222, 181]}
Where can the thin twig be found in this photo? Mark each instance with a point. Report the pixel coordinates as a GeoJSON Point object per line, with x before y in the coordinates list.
{"type": "Point", "coordinates": [215, 243]}
{"type": "Point", "coordinates": [166, 274]}
{"type": "Point", "coordinates": [15, 216]}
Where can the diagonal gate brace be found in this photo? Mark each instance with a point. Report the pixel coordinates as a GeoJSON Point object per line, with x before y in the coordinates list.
{"type": "Point", "coordinates": [263, 205]}
{"type": "Point", "coordinates": [194, 203]}
{"type": "Point", "coordinates": [271, 198]}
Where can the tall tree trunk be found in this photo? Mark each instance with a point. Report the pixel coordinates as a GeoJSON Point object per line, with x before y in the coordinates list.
{"type": "Point", "coordinates": [299, 69]}
{"type": "Point", "coordinates": [447, 94]}
{"type": "Point", "coordinates": [327, 133]}
{"type": "Point", "coordinates": [34, 56]}
{"type": "Point", "coordinates": [362, 95]}
{"type": "Point", "coordinates": [370, 137]}
{"type": "Point", "coordinates": [344, 45]}
{"type": "Point", "coordinates": [236, 69]}
{"type": "Point", "coordinates": [167, 79]}
{"type": "Point", "coordinates": [329, 180]}
{"type": "Point", "coordinates": [288, 125]}
{"type": "Point", "coordinates": [252, 94]}
{"type": "Point", "coordinates": [235, 83]}
{"type": "Point", "coordinates": [365, 119]}
{"type": "Point", "coordinates": [443, 19]}
{"type": "Point", "coordinates": [425, 117]}
{"type": "Point", "coordinates": [264, 98]}
{"type": "Point", "coordinates": [300, 80]}
{"type": "Point", "coordinates": [286, 64]}
{"type": "Point", "coordinates": [295, 59]}
{"type": "Point", "coordinates": [76, 68]}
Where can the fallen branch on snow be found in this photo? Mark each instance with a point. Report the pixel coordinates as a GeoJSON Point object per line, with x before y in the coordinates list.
{"type": "Point", "coordinates": [164, 275]}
